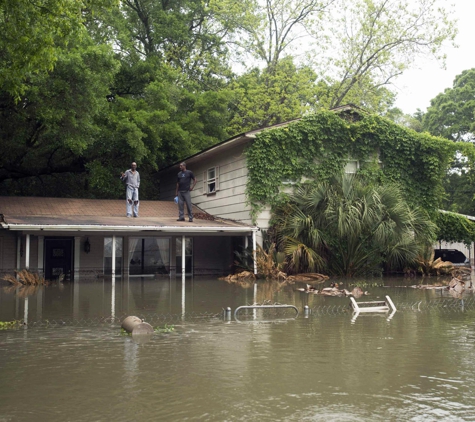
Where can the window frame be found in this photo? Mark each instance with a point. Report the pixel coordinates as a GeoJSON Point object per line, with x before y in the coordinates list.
{"type": "Point", "coordinates": [210, 181]}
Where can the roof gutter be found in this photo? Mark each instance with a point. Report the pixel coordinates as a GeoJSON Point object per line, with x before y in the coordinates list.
{"type": "Point", "coordinates": [97, 228]}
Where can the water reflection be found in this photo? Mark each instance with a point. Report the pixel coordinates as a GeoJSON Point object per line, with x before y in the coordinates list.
{"type": "Point", "coordinates": [326, 366]}
{"type": "Point", "coordinates": [111, 299]}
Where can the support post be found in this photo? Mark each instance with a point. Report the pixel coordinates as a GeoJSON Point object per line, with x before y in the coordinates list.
{"type": "Point", "coordinates": [113, 255]}
{"type": "Point", "coordinates": [27, 252]}
{"type": "Point", "coordinates": [77, 254]}
{"type": "Point", "coordinates": [254, 251]}
{"type": "Point", "coordinates": [183, 251]}
{"type": "Point", "coordinates": [41, 255]}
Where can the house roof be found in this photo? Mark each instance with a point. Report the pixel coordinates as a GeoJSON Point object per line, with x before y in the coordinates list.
{"type": "Point", "coordinates": [73, 214]}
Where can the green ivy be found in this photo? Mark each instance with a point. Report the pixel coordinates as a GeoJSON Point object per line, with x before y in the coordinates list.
{"type": "Point", "coordinates": [319, 145]}
{"type": "Point", "coordinates": [455, 228]}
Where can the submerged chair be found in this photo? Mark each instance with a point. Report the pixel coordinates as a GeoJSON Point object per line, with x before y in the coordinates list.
{"type": "Point", "coordinates": [374, 306]}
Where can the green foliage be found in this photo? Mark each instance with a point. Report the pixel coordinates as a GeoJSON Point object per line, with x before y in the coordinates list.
{"type": "Point", "coordinates": [165, 329]}
{"type": "Point", "coordinates": [452, 113]}
{"type": "Point", "coordinates": [32, 35]}
{"type": "Point", "coordinates": [346, 226]}
{"type": "Point", "coordinates": [273, 95]}
{"type": "Point", "coordinates": [55, 126]}
{"type": "Point", "coordinates": [455, 228]}
{"type": "Point", "coordinates": [9, 325]}
{"type": "Point", "coordinates": [320, 145]}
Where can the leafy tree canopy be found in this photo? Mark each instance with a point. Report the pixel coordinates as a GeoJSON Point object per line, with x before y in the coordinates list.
{"type": "Point", "coordinates": [452, 113]}
{"type": "Point", "coordinates": [33, 32]}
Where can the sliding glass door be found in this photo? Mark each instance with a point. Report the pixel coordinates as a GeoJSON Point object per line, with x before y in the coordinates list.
{"type": "Point", "coordinates": [149, 255]}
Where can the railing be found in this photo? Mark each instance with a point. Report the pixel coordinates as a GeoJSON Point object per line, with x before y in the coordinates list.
{"type": "Point", "coordinates": [265, 307]}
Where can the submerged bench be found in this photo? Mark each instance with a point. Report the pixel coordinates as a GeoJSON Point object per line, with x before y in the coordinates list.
{"type": "Point", "coordinates": [374, 306]}
{"type": "Point", "coordinates": [265, 307]}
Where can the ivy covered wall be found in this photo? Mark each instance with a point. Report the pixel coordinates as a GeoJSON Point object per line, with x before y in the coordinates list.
{"type": "Point", "coordinates": [321, 144]}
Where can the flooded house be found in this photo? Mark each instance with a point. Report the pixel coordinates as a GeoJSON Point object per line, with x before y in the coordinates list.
{"type": "Point", "coordinates": [72, 237]}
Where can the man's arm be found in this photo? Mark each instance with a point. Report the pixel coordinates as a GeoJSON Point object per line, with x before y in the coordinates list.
{"type": "Point", "coordinates": [194, 183]}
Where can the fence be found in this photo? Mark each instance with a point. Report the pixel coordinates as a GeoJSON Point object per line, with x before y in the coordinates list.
{"type": "Point", "coordinates": [272, 313]}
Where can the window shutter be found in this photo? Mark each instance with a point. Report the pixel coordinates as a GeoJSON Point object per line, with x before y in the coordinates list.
{"type": "Point", "coordinates": [205, 184]}
{"type": "Point", "coordinates": [217, 177]}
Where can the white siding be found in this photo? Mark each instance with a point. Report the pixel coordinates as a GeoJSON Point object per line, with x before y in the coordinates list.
{"type": "Point", "coordinates": [230, 200]}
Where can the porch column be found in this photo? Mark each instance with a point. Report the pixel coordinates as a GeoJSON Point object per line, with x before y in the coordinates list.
{"type": "Point", "coordinates": [113, 256]}
{"type": "Point", "coordinates": [254, 251]}
{"type": "Point", "coordinates": [183, 251]}
{"type": "Point", "coordinates": [75, 299]}
{"type": "Point", "coordinates": [27, 252]}
{"type": "Point", "coordinates": [77, 255]}
{"type": "Point", "coordinates": [125, 255]}
{"type": "Point", "coordinates": [41, 254]}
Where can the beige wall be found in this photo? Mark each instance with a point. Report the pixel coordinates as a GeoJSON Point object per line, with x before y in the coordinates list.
{"type": "Point", "coordinates": [230, 200]}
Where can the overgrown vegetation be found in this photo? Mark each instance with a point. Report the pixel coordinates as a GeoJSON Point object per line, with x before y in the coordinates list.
{"type": "Point", "coordinates": [346, 226]}
{"type": "Point", "coordinates": [320, 145]}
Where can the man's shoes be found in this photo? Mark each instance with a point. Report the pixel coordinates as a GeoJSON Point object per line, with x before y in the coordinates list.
{"type": "Point", "coordinates": [135, 216]}
{"type": "Point", "coordinates": [129, 216]}
{"type": "Point", "coordinates": [190, 220]}
{"type": "Point", "coordinates": [181, 219]}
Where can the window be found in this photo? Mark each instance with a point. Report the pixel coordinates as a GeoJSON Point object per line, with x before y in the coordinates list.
{"type": "Point", "coordinates": [211, 180]}
{"type": "Point", "coordinates": [352, 166]}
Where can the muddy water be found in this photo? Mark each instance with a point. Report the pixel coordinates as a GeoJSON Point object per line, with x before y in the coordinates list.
{"type": "Point", "coordinates": [70, 362]}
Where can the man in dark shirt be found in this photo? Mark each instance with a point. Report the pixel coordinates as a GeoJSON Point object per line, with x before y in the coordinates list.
{"type": "Point", "coordinates": [183, 189]}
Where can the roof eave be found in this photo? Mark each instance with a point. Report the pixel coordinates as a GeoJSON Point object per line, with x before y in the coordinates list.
{"type": "Point", "coordinates": [131, 229]}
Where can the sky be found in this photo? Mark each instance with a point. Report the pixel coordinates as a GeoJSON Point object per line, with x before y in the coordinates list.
{"type": "Point", "coordinates": [417, 86]}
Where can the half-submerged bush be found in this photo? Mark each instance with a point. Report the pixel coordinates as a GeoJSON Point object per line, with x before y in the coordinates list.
{"type": "Point", "coordinates": [26, 278]}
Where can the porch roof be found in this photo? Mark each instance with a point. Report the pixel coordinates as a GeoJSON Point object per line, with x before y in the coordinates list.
{"type": "Point", "coordinates": [106, 215]}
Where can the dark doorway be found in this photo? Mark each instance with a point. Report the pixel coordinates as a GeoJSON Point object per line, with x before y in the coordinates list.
{"type": "Point", "coordinates": [58, 257]}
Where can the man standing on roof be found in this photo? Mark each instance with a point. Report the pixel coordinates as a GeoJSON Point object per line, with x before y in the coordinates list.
{"type": "Point", "coordinates": [132, 179]}
{"type": "Point", "coordinates": [183, 189]}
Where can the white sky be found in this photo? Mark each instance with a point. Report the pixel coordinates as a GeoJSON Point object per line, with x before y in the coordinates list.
{"type": "Point", "coordinates": [416, 87]}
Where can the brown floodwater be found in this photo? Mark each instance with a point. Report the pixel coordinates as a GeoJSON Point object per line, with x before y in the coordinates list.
{"type": "Point", "coordinates": [69, 361]}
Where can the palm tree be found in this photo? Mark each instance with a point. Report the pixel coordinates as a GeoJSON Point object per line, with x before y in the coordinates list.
{"type": "Point", "coordinates": [348, 227]}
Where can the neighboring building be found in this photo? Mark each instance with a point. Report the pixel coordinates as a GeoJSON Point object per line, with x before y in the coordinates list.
{"type": "Point", "coordinates": [75, 237]}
